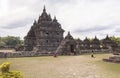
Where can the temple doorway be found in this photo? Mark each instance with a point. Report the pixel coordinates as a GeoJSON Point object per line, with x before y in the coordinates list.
{"type": "Point", "coordinates": [72, 48]}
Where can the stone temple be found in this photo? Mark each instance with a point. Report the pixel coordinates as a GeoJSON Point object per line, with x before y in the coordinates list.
{"type": "Point", "coordinates": [67, 46]}
{"type": "Point", "coordinates": [45, 37]}
{"type": "Point", "coordinates": [45, 34]}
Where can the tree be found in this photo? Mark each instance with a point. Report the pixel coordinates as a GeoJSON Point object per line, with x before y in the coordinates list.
{"type": "Point", "coordinates": [2, 43]}
{"type": "Point", "coordinates": [10, 41]}
{"type": "Point", "coordinates": [115, 39]}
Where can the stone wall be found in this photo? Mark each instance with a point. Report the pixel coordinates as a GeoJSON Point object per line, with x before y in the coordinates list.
{"type": "Point", "coordinates": [23, 54]}
{"type": "Point", "coordinates": [34, 54]}
{"type": "Point", "coordinates": [96, 51]}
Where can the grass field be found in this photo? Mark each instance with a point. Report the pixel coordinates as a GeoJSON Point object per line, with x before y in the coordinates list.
{"type": "Point", "coordinates": [82, 66]}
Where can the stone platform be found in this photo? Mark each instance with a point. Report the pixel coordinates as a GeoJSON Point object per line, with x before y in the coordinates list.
{"type": "Point", "coordinates": [113, 58]}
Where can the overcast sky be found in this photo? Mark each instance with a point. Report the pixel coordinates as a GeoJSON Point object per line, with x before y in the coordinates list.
{"type": "Point", "coordinates": [81, 17]}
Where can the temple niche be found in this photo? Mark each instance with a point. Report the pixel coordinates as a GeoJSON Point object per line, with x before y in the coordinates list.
{"type": "Point", "coordinates": [45, 34]}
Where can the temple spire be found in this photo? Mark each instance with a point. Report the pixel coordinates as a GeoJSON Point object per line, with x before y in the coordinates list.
{"type": "Point", "coordinates": [54, 20]}
{"type": "Point", "coordinates": [69, 36]}
{"type": "Point", "coordinates": [86, 38]}
{"type": "Point", "coordinates": [49, 17]}
{"type": "Point", "coordinates": [35, 22]}
{"type": "Point", "coordinates": [95, 37]}
{"type": "Point", "coordinates": [44, 9]}
{"type": "Point", "coordinates": [44, 16]}
{"type": "Point", "coordinates": [68, 32]}
{"type": "Point", "coordinates": [107, 37]}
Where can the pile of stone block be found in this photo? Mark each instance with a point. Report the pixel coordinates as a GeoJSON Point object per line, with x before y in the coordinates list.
{"type": "Point", "coordinates": [114, 59]}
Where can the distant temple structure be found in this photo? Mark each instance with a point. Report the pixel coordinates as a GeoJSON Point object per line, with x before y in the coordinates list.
{"type": "Point", "coordinates": [46, 36]}
{"type": "Point", "coordinates": [86, 43]}
{"type": "Point", "coordinates": [95, 43]}
{"type": "Point", "coordinates": [108, 43]}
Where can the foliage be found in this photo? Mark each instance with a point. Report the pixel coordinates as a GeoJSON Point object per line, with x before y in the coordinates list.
{"type": "Point", "coordinates": [107, 67]}
{"type": "Point", "coordinates": [6, 73]}
{"type": "Point", "coordinates": [2, 43]}
{"type": "Point", "coordinates": [116, 39]}
{"type": "Point", "coordinates": [10, 41]}
{"type": "Point", "coordinates": [5, 67]}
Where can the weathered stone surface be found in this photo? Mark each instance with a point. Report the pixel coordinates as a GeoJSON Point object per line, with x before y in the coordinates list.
{"type": "Point", "coordinates": [45, 35]}
{"type": "Point", "coordinates": [95, 44]}
{"type": "Point", "coordinates": [86, 43]}
{"type": "Point", "coordinates": [113, 58]}
{"type": "Point", "coordinates": [107, 43]}
{"type": "Point", "coordinates": [67, 46]}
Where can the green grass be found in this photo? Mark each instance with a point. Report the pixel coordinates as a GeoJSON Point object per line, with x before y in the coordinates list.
{"type": "Point", "coordinates": [82, 66]}
{"type": "Point", "coordinates": [107, 69]}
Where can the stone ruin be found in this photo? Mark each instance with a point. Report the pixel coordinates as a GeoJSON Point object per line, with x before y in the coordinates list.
{"type": "Point", "coordinates": [46, 36]}
{"type": "Point", "coordinates": [67, 46]}
{"type": "Point", "coordinates": [115, 58]}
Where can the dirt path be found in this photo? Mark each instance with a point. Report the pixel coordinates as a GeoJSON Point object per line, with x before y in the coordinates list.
{"type": "Point", "coordinates": [77, 67]}
{"type": "Point", "coordinates": [60, 67]}
{"type": "Point", "coordinates": [68, 67]}
{"type": "Point", "coordinates": [82, 66]}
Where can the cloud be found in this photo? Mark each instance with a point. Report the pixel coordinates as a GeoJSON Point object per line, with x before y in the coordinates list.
{"type": "Point", "coordinates": [85, 16]}
{"type": "Point", "coordinates": [94, 29]}
{"type": "Point", "coordinates": [117, 30]}
{"type": "Point", "coordinates": [98, 28]}
{"type": "Point", "coordinates": [17, 24]}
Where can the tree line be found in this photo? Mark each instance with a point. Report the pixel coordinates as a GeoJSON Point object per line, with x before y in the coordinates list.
{"type": "Point", "coordinates": [16, 41]}
{"type": "Point", "coordinates": [11, 41]}
{"type": "Point", "coordinates": [116, 39]}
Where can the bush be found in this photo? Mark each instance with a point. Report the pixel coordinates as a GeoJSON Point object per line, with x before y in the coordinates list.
{"type": "Point", "coordinates": [6, 73]}
{"type": "Point", "coordinates": [5, 67]}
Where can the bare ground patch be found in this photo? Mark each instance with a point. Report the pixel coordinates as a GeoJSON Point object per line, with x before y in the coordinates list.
{"type": "Point", "coordinates": [82, 66]}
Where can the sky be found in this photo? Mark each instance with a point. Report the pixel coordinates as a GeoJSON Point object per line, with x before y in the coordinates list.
{"type": "Point", "coordinates": [83, 18]}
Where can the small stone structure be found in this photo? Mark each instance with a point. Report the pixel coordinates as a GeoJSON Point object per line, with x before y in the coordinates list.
{"type": "Point", "coordinates": [95, 43]}
{"type": "Point", "coordinates": [67, 46]}
{"type": "Point", "coordinates": [107, 43]}
{"type": "Point", "coordinates": [115, 58]}
{"type": "Point", "coordinates": [86, 43]}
